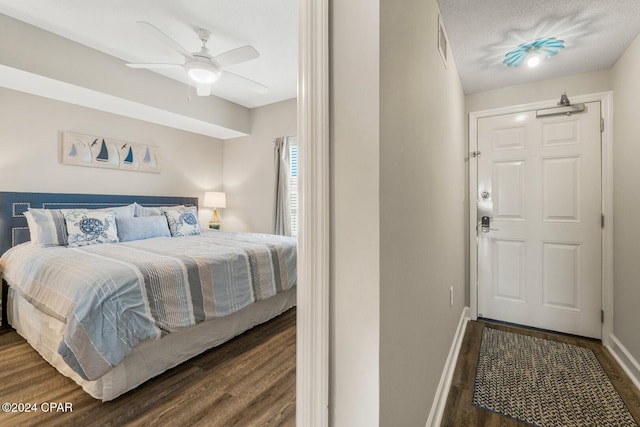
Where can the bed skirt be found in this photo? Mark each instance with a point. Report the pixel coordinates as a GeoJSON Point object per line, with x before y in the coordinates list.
{"type": "Point", "coordinates": [149, 358]}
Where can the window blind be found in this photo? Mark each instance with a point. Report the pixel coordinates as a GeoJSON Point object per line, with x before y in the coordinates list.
{"type": "Point", "coordinates": [293, 188]}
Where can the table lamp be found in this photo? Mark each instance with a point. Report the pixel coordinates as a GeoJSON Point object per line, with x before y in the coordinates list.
{"type": "Point", "coordinates": [215, 200]}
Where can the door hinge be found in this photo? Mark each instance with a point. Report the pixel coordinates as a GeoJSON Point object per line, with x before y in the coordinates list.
{"type": "Point", "coordinates": [474, 154]}
{"type": "Point", "coordinates": [602, 220]}
{"type": "Point", "coordinates": [601, 124]}
{"type": "Point", "coordinates": [601, 316]}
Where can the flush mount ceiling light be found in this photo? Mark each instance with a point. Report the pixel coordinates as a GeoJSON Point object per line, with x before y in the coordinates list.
{"type": "Point", "coordinates": [533, 52]}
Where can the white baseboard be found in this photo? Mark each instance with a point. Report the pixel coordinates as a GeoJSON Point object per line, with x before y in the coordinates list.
{"type": "Point", "coordinates": [628, 363]}
{"type": "Point", "coordinates": [440, 401]}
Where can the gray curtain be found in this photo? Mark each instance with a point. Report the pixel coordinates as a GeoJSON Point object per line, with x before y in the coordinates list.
{"type": "Point", "coordinates": [282, 215]}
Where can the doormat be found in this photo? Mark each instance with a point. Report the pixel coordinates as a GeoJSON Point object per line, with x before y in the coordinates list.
{"type": "Point", "coordinates": [545, 383]}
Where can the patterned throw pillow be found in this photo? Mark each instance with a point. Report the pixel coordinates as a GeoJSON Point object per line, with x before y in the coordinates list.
{"type": "Point", "coordinates": [90, 227]}
{"type": "Point", "coordinates": [182, 221]}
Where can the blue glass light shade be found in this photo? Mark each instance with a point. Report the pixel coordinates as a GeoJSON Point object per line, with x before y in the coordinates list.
{"type": "Point", "coordinates": [546, 47]}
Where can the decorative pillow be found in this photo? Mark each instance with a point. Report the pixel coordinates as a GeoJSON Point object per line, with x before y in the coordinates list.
{"type": "Point", "coordinates": [86, 227]}
{"type": "Point", "coordinates": [182, 221]}
{"type": "Point", "coordinates": [142, 228]}
{"type": "Point", "coordinates": [152, 210]}
{"type": "Point", "coordinates": [46, 227]}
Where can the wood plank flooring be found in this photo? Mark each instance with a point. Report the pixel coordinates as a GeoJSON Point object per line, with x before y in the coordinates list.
{"type": "Point", "coordinates": [459, 411]}
{"type": "Point", "coordinates": [248, 381]}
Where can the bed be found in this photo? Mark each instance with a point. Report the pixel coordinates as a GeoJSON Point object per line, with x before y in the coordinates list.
{"type": "Point", "coordinates": [112, 314]}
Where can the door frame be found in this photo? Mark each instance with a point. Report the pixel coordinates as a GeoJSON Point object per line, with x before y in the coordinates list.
{"type": "Point", "coordinates": [312, 319]}
{"type": "Point", "coordinates": [606, 111]}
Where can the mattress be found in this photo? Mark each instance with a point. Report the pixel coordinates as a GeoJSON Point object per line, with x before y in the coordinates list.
{"type": "Point", "coordinates": [149, 358]}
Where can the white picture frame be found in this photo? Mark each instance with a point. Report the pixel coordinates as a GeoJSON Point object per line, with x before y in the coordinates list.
{"type": "Point", "coordinates": [443, 41]}
{"type": "Point", "coordinates": [101, 152]}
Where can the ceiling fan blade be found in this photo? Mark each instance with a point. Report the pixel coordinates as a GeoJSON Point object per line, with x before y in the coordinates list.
{"type": "Point", "coordinates": [168, 40]}
{"type": "Point", "coordinates": [245, 82]}
{"type": "Point", "coordinates": [236, 56]}
{"type": "Point", "coordinates": [203, 89]}
{"type": "Point", "coordinates": [153, 65]}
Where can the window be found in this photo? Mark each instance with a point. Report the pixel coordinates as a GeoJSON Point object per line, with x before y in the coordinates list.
{"type": "Point", "coordinates": [293, 187]}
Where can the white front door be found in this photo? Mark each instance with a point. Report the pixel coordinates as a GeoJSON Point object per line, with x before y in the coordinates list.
{"type": "Point", "coordinates": [539, 189]}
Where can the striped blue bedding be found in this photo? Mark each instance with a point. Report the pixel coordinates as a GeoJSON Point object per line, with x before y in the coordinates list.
{"type": "Point", "coordinates": [113, 296]}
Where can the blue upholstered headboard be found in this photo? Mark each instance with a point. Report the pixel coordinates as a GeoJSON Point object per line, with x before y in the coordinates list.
{"type": "Point", "coordinates": [13, 224]}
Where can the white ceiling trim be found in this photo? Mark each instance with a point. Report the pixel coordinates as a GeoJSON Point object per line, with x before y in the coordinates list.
{"type": "Point", "coordinates": [24, 81]}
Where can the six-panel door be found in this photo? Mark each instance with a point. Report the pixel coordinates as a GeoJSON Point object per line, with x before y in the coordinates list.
{"type": "Point", "coordinates": [539, 182]}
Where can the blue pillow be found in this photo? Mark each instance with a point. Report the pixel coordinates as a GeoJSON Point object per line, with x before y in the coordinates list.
{"type": "Point", "coordinates": [142, 227]}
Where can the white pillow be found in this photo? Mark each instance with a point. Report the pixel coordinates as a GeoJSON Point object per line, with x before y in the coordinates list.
{"type": "Point", "coordinates": [182, 221]}
{"type": "Point", "coordinates": [86, 227]}
{"type": "Point", "coordinates": [46, 227]}
{"type": "Point", "coordinates": [153, 210]}
{"type": "Point", "coordinates": [126, 211]}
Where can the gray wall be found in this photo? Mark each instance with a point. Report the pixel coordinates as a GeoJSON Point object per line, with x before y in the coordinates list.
{"type": "Point", "coordinates": [626, 199]}
{"type": "Point", "coordinates": [422, 209]}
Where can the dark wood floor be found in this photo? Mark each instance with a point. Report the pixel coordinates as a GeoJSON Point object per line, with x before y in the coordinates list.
{"type": "Point", "coordinates": [249, 381]}
{"type": "Point", "coordinates": [460, 413]}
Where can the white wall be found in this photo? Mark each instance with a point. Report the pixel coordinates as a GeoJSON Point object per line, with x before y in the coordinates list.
{"type": "Point", "coordinates": [354, 209]}
{"type": "Point", "coordinates": [30, 137]}
{"type": "Point", "coordinates": [422, 216]}
{"type": "Point", "coordinates": [397, 211]}
{"type": "Point", "coordinates": [249, 174]}
{"type": "Point", "coordinates": [33, 50]}
{"type": "Point", "coordinates": [577, 84]}
{"type": "Point", "coordinates": [626, 199]}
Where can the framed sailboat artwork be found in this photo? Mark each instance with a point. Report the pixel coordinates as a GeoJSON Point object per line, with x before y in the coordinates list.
{"type": "Point", "coordinates": [101, 152]}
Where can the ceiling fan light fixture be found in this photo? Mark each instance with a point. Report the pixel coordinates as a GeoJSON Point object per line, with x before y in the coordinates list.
{"type": "Point", "coordinates": [202, 73]}
{"type": "Point", "coordinates": [202, 68]}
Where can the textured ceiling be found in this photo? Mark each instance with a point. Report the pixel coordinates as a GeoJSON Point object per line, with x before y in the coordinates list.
{"type": "Point", "coordinates": [481, 32]}
{"type": "Point", "coordinates": [271, 26]}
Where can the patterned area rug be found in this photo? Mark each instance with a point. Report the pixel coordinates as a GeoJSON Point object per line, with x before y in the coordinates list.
{"type": "Point", "coordinates": [545, 383]}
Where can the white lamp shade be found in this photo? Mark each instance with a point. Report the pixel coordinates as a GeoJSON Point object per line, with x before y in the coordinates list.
{"type": "Point", "coordinates": [214, 199]}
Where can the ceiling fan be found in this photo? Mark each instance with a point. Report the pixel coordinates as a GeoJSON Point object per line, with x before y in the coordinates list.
{"type": "Point", "coordinates": [201, 67]}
